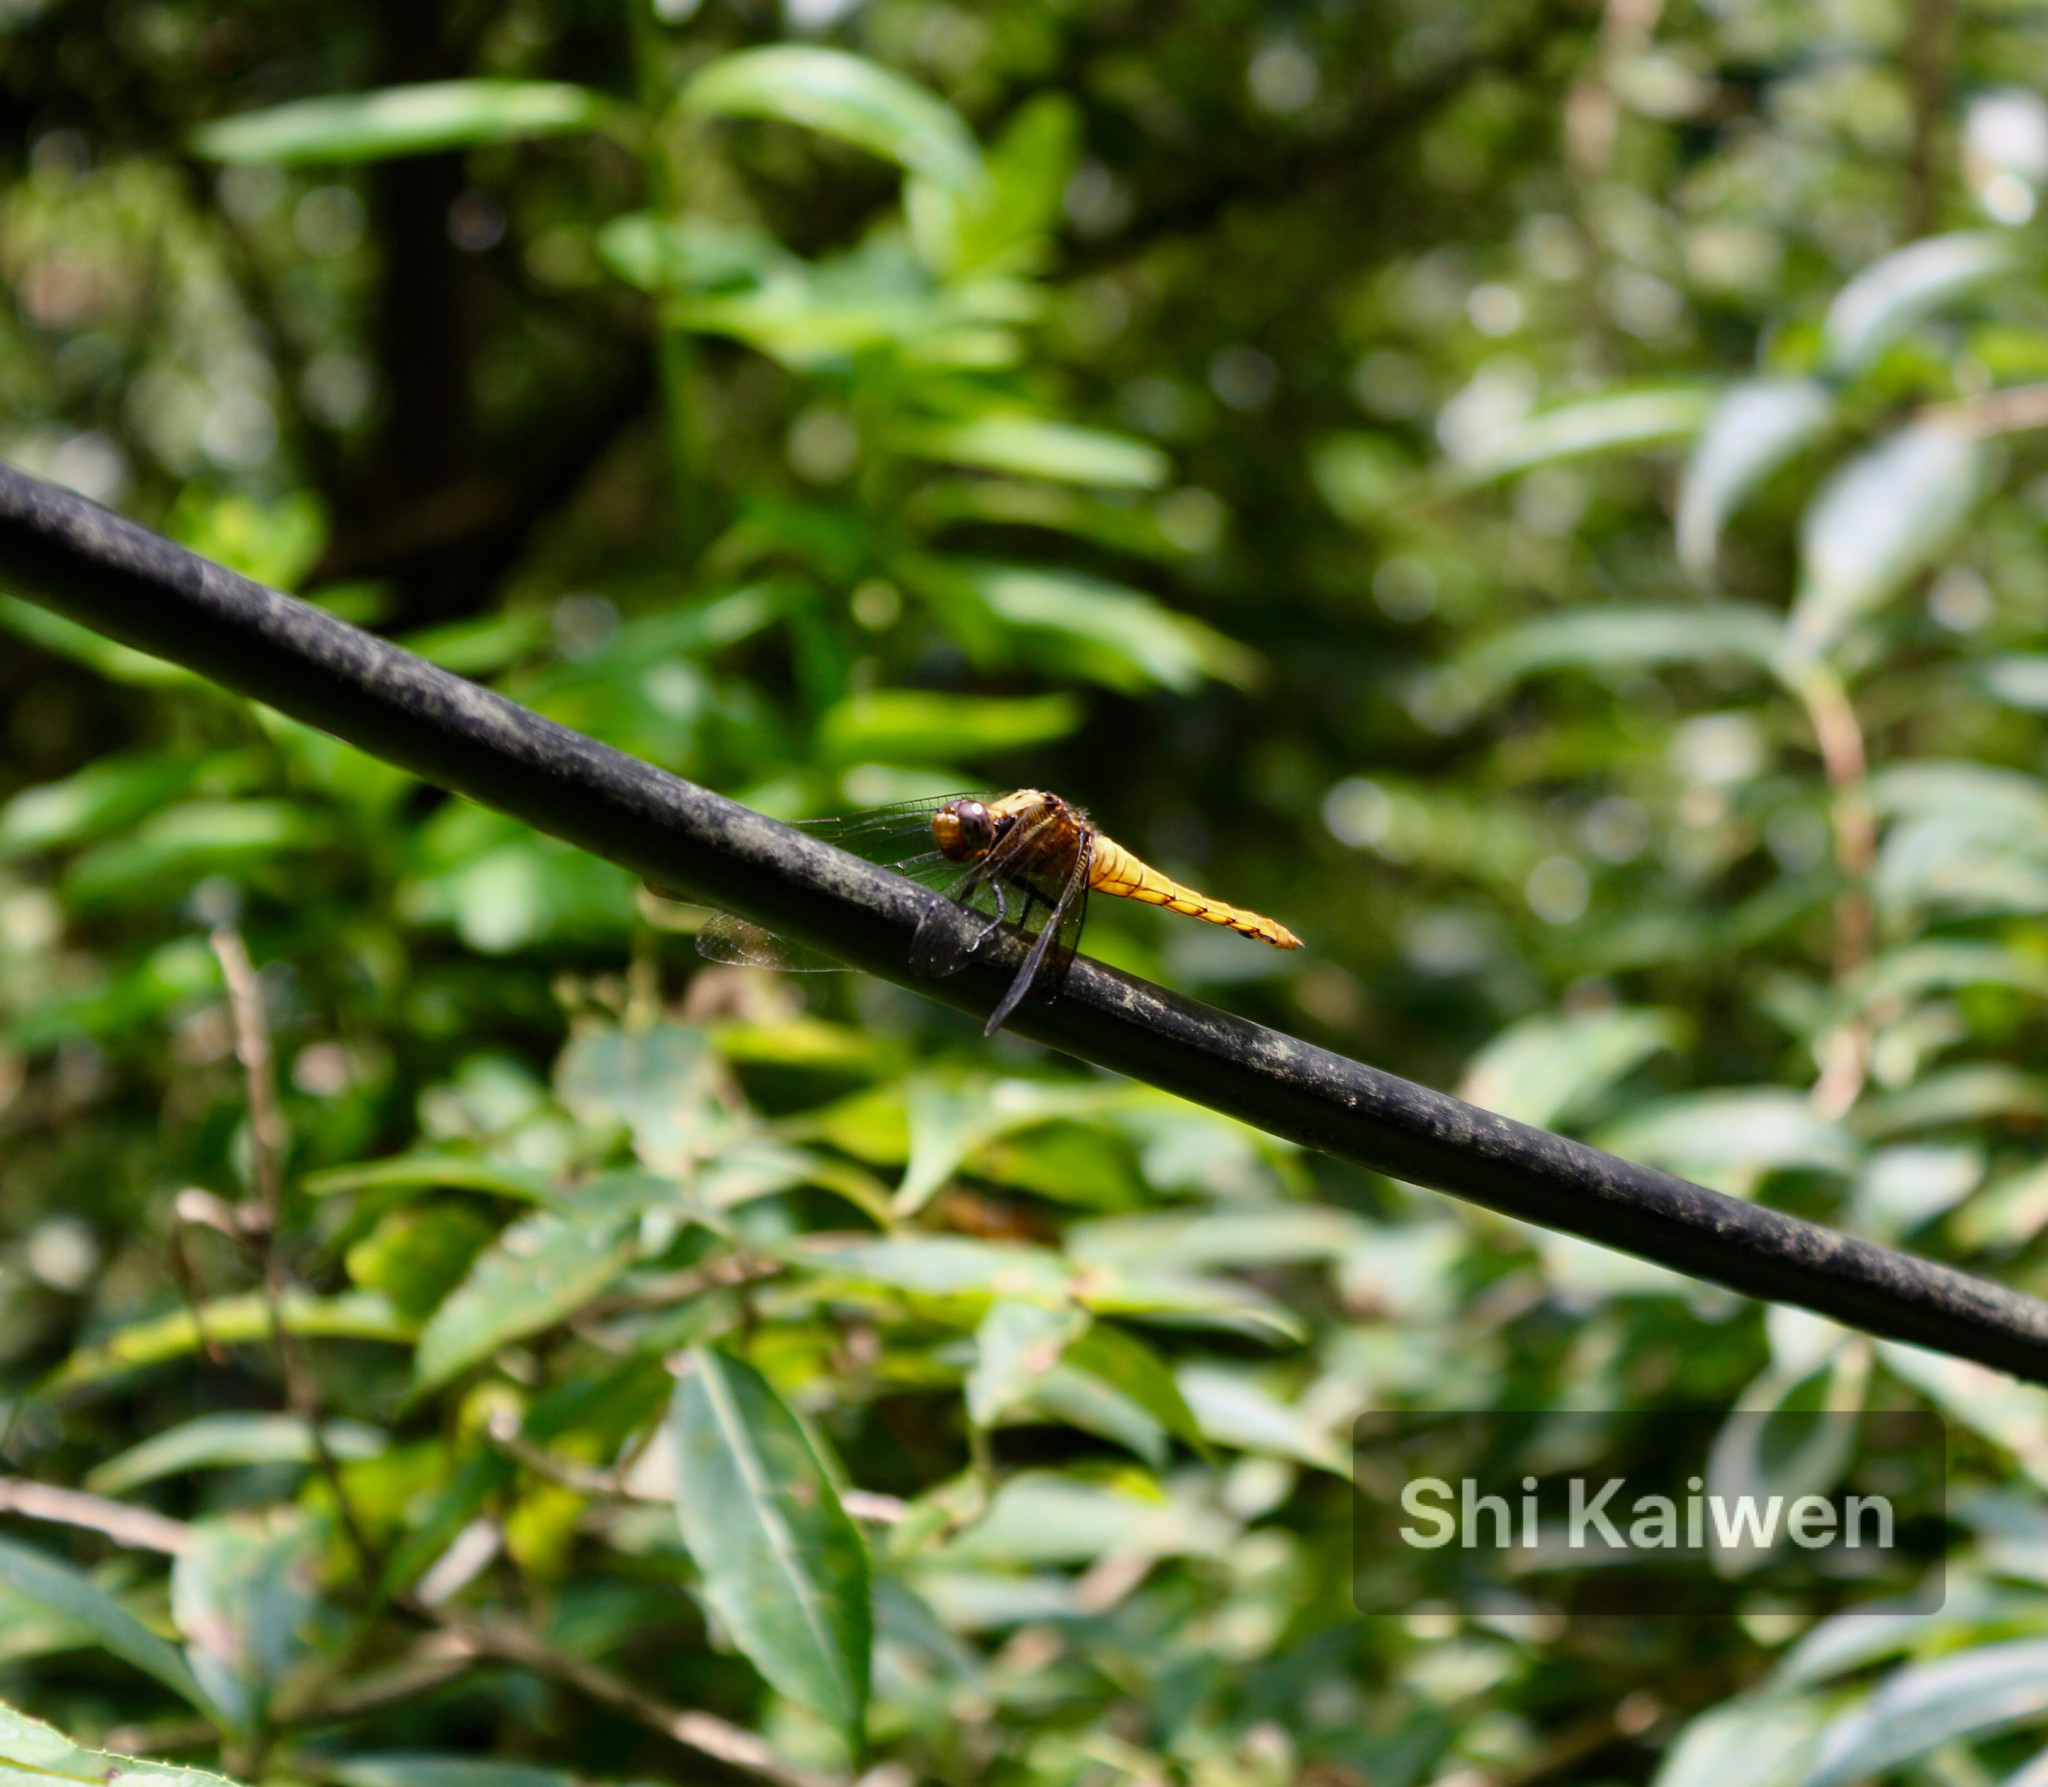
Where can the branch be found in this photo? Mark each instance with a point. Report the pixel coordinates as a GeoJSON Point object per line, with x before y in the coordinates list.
{"type": "Point", "coordinates": [703, 1732]}
{"type": "Point", "coordinates": [109, 574]}
{"type": "Point", "coordinates": [137, 1528]}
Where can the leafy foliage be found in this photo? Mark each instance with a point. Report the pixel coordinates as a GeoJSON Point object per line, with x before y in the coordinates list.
{"type": "Point", "coordinates": [1549, 509]}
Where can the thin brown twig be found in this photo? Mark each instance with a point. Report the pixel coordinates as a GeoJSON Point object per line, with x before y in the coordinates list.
{"type": "Point", "coordinates": [269, 1140]}
{"type": "Point", "coordinates": [140, 1529]}
{"type": "Point", "coordinates": [705, 1733]}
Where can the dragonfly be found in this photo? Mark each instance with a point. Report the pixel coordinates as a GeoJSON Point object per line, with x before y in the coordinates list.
{"type": "Point", "coordinates": [1026, 858]}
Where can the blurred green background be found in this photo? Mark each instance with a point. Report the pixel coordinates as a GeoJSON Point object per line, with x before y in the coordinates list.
{"type": "Point", "coordinates": [1547, 501]}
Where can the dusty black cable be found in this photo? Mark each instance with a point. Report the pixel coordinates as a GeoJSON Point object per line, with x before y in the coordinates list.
{"type": "Point", "coordinates": [132, 585]}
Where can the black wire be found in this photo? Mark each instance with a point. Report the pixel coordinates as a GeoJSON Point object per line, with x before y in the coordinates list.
{"type": "Point", "coordinates": [69, 555]}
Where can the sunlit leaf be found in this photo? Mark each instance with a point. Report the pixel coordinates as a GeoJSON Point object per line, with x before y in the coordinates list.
{"type": "Point", "coordinates": [664, 1084]}
{"type": "Point", "coordinates": [1128, 641]}
{"type": "Point", "coordinates": [1234, 1410]}
{"type": "Point", "coordinates": [1880, 519]}
{"type": "Point", "coordinates": [1754, 429]}
{"type": "Point", "coordinates": [1891, 296]}
{"type": "Point", "coordinates": [1548, 1070]}
{"type": "Point", "coordinates": [843, 96]}
{"type": "Point", "coordinates": [2005, 1411]}
{"type": "Point", "coordinates": [782, 1566]}
{"type": "Point", "coordinates": [925, 726]}
{"type": "Point", "coordinates": [1598, 425]}
{"type": "Point", "coordinates": [413, 1768]}
{"type": "Point", "coordinates": [231, 1321]}
{"type": "Point", "coordinates": [392, 121]}
{"type": "Point", "coordinates": [1925, 1705]}
{"type": "Point", "coordinates": [1762, 1741]}
{"type": "Point", "coordinates": [1616, 638]}
{"type": "Point", "coordinates": [211, 1442]}
{"type": "Point", "coordinates": [1734, 1135]}
{"type": "Point", "coordinates": [1203, 1240]}
{"type": "Point", "coordinates": [1039, 447]}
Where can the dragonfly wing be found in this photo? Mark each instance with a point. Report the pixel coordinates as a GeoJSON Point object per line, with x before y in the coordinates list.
{"type": "Point", "coordinates": [890, 836]}
{"type": "Point", "coordinates": [1043, 960]}
{"type": "Point", "coordinates": [738, 943]}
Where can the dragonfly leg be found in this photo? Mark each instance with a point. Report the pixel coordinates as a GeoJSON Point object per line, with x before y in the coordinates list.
{"type": "Point", "coordinates": [1001, 918]}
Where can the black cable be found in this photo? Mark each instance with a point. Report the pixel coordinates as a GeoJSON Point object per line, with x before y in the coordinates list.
{"type": "Point", "coordinates": [69, 555]}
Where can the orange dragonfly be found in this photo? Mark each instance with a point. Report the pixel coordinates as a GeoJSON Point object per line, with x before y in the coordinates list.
{"type": "Point", "coordinates": [1007, 858]}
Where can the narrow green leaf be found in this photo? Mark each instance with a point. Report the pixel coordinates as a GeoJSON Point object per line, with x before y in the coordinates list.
{"type": "Point", "coordinates": [1038, 447]}
{"type": "Point", "coordinates": [461, 1172]}
{"type": "Point", "coordinates": [1233, 1410]}
{"type": "Point", "coordinates": [1886, 299]}
{"type": "Point", "coordinates": [1124, 1362]}
{"type": "Point", "coordinates": [1626, 419]}
{"type": "Point", "coordinates": [842, 96]}
{"type": "Point", "coordinates": [925, 726]}
{"type": "Point", "coordinates": [1754, 429]}
{"type": "Point", "coordinates": [214, 1441]}
{"type": "Point", "coordinates": [230, 1321]}
{"type": "Point", "coordinates": [1926, 1705]}
{"type": "Point", "coordinates": [410, 1768]}
{"type": "Point", "coordinates": [1135, 642]}
{"type": "Point", "coordinates": [1880, 519]}
{"type": "Point", "coordinates": [1613, 638]}
{"type": "Point", "coordinates": [394, 121]}
{"type": "Point", "coordinates": [782, 1565]}
{"type": "Point", "coordinates": [75, 1598]}
{"type": "Point", "coordinates": [943, 1266]}
{"type": "Point", "coordinates": [1549, 1069]}
{"type": "Point", "coordinates": [1761, 1741]}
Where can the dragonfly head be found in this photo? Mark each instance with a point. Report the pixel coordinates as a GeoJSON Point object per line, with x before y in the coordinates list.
{"type": "Point", "coordinates": [963, 830]}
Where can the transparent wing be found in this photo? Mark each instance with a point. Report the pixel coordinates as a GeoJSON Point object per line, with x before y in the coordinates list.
{"type": "Point", "coordinates": [897, 837]}
{"type": "Point", "coordinates": [739, 943]}
{"type": "Point", "coordinates": [1052, 948]}
{"type": "Point", "coordinates": [886, 835]}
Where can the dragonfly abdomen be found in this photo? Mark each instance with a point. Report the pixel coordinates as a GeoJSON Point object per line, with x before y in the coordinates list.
{"type": "Point", "coordinates": [1115, 871]}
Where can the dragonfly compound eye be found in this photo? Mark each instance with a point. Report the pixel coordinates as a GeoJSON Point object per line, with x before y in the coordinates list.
{"type": "Point", "coordinates": [963, 830]}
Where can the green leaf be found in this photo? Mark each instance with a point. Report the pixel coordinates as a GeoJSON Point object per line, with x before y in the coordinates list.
{"type": "Point", "coordinates": [1880, 519]}
{"type": "Point", "coordinates": [1016, 1348]}
{"type": "Point", "coordinates": [1888, 298]}
{"type": "Point", "coordinates": [117, 663]}
{"type": "Point", "coordinates": [1754, 429]}
{"type": "Point", "coordinates": [942, 1266]}
{"type": "Point", "coordinates": [665, 1084]}
{"type": "Point", "coordinates": [841, 96]}
{"type": "Point", "coordinates": [1733, 1136]}
{"type": "Point", "coordinates": [1550, 1069]}
{"type": "Point", "coordinates": [244, 1594]}
{"type": "Point", "coordinates": [1626, 419]}
{"type": "Point", "coordinates": [199, 837]}
{"type": "Point", "coordinates": [213, 1441]}
{"type": "Point", "coordinates": [1038, 447]}
{"type": "Point", "coordinates": [540, 1271]}
{"type": "Point", "coordinates": [924, 726]}
{"type": "Point", "coordinates": [1185, 1300]}
{"type": "Point", "coordinates": [1129, 641]}
{"type": "Point", "coordinates": [1233, 1410]}
{"type": "Point", "coordinates": [1201, 1240]}
{"type": "Point", "coordinates": [231, 1321]}
{"type": "Point", "coordinates": [2005, 1411]}
{"type": "Point", "coordinates": [32, 1754]}
{"type": "Point", "coordinates": [1761, 1741]}
{"type": "Point", "coordinates": [394, 121]}
{"type": "Point", "coordinates": [411, 1768]}
{"type": "Point", "coordinates": [1611, 639]}
{"type": "Point", "coordinates": [689, 254]}
{"type": "Point", "coordinates": [1925, 1705]}
{"type": "Point", "coordinates": [1125, 1363]}
{"type": "Point", "coordinates": [108, 795]}
{"type": "Point", "coordinates": [782, 1566]}
{"type": "Point", "coordinates": [2019, 679]}
{"type": "Point", "coordinates": [75, 1598]}
{"type": "Point", "coordinates": [458, 1172]}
